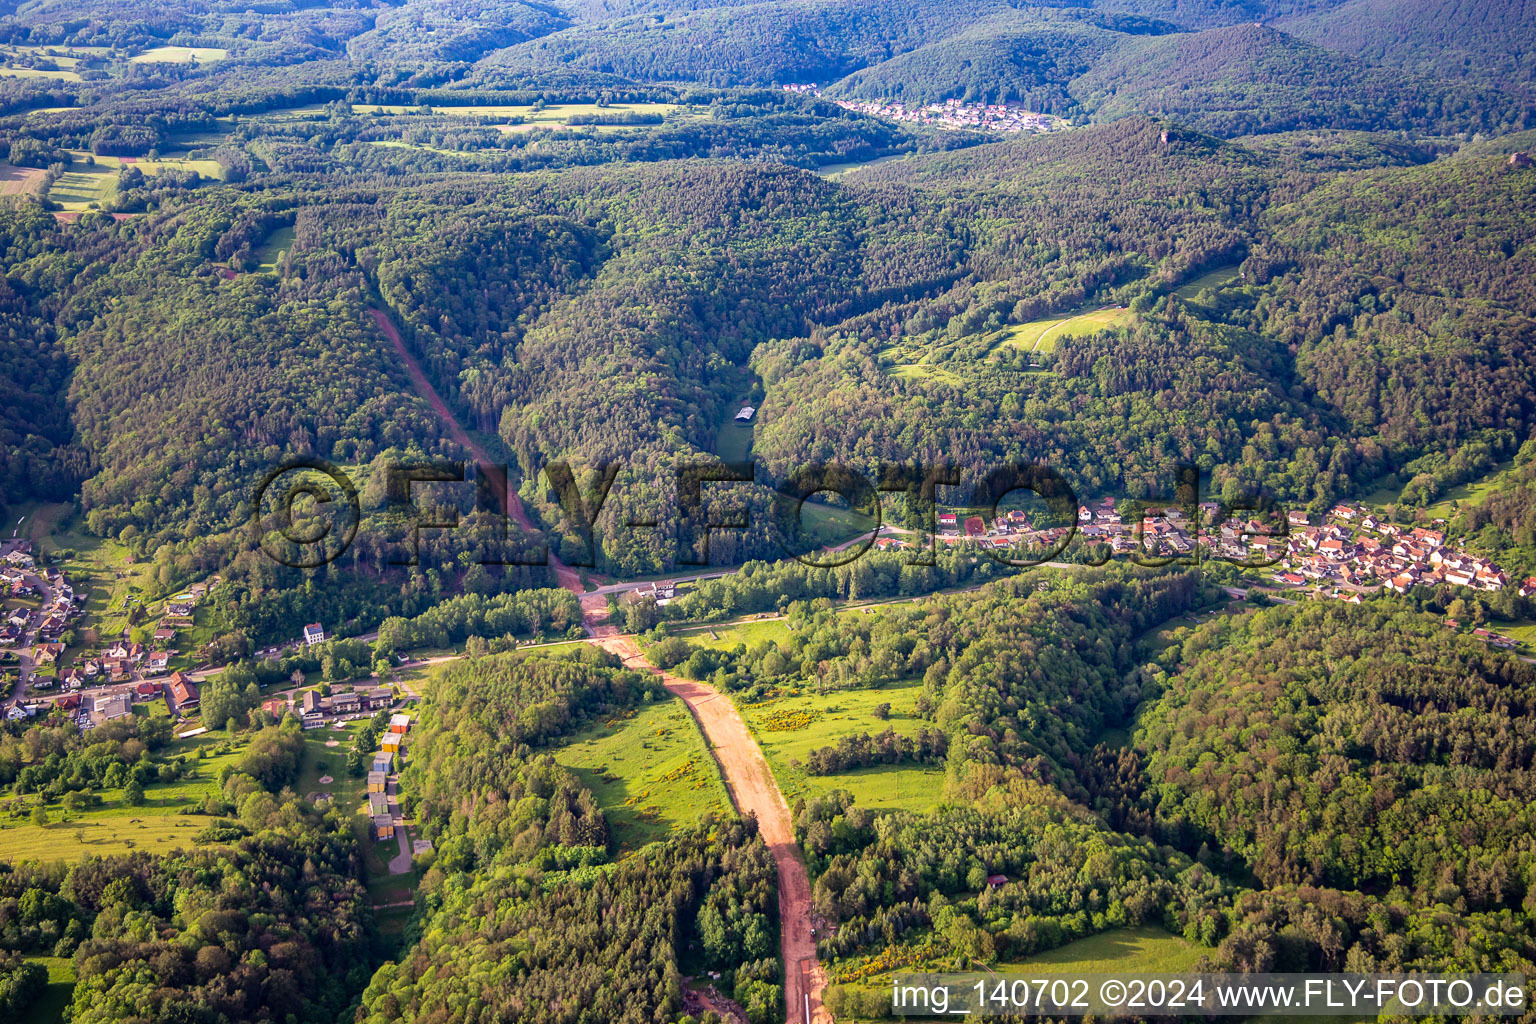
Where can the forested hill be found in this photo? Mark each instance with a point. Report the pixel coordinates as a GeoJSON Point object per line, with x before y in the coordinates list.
{"type": "Point", "coordinates": [1492, 41]}
{"type": "Point", "coordinates": [1248, 79]}
{"type": "Point", "coordinates": [613, 313]}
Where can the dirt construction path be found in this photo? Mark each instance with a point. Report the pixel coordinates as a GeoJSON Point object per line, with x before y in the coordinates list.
{"type": "Point", "coordinates": [753, 791]}
{"type": "Point", "coordinates": [511, 504]}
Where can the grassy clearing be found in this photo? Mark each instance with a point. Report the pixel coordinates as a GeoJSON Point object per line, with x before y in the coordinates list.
{"type": "Point", "coordinates": [271, 250]}
{"type": "Point", "coordinates": [1215, 279]}
{"type": "Point", "coordinates": [650, 772]}
{"type": "Point", "coordinates": [1043, 335]}
{"type": "Point", "coordinates": [1472, 493]}
{"type": "Point", "coordinates": [817, 720]}
{"type": "Point", "coordinates": [839, 170]}
{"type": "Point", "coordinates": [927, 371]}
{"type": "Point", "coordinates": [49, 1007]}
{"type": "Point", "coordinates": [180, 55]}
{"type": "Point", "coordinates": [1145, 950]}
{"type": "Point", "coordinates": [723, 638]}
{"type": "Point", "coordinates": [90, 834]}
{"type": "Point", "coordinates": [733, 441]}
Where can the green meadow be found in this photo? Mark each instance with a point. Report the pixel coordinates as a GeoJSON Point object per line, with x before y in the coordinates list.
{"type": "Point", "coordinates": [790, 727]}
{"type": "Point", "coordinates": [1043, 335]}
{"type": "Point", "coordinates": [649, 770]}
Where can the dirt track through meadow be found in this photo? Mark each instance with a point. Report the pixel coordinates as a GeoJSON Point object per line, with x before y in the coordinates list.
{"type": "Point", "coordinates": [754, 791]}
{"type": "Point", "coordinates": [747, 776]}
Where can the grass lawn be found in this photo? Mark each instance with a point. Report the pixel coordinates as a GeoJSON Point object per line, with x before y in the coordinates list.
{"type": "Point", "coordinates": [350, 794]}
{"type": "Point", "coordinates": [1523, 630]}
{"type": "Point", "coordinates": [49, 1007]}
{"type": "Point", "coordinates": [650, 772]}
{"type": "Point", "coordinates": [1145, 950]}
{"type": "Point", "coordinates": [788, 728]}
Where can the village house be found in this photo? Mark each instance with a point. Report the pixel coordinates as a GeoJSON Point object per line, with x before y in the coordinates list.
{"type": "Point", "coordinates": [158, 661]}
{"type": "Point", "coordinates": [183, 695]}
{"type": "Point", "coordinates": [314, 633]}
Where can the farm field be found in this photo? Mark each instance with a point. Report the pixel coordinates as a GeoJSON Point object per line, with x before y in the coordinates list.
{"type": "Point", "coordinates": [17, 180]}
{"type": "Point", "coordinates": [180, 55]}
{"type": "Point", "coordinates": [649, 771]}
{"type": "Point", "coordinates": [84, 183]}
{"type": "Point", "coordinates": [67, 76]}
{"type": "Point", "coordinates": [788, 728]}
{"type": "Point", "coordinates": [549, 116]}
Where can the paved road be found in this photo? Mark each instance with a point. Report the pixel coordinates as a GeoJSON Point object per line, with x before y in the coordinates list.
{"type": "Point", "coordinates": [29, 640]}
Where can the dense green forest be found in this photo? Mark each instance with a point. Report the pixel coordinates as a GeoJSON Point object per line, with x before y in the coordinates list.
{"type": "Point", "coordinates": [1289, 242]}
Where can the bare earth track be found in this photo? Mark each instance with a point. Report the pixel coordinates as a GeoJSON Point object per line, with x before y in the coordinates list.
{"type": "Point", "coordinates": [754, 791]}
{"type": "Point", "coordinates": [511, 504]}
{"type": "Point", "coordinates": [747, 776]}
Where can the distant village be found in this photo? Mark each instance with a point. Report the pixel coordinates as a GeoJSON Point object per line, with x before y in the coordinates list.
{"type": "Point", "coordinates": [1348, 555]}
{"type": "Point", "coordinates": [952, 114]}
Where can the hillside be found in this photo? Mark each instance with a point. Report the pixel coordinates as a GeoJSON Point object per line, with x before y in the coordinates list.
{"type": "Point", "coordinates": [755, 44]}
{"type": "Point", "coordinates": [1247, 79]}
{"type": "Point", "coordinates": [1489, 41]}
{"type": "Point", "coordinates": [1009, 59]}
